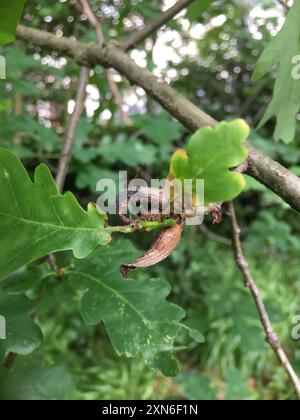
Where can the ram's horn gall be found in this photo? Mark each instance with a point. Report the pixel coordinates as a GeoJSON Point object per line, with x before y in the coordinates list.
{"type": "Point", "coordinates": [163, 246]}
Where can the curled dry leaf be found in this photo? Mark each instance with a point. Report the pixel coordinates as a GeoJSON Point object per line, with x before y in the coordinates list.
{"type": "Point", "coordinates": [163, 246]}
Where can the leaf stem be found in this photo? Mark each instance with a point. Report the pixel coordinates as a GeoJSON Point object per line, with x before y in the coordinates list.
{"type": "Point", "coordinates": [142, 225]}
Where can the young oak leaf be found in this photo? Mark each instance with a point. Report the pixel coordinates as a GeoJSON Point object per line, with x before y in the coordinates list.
{"type": "Point", "coordinates": [35, 220]}
{"type": "Point", "coordinates": [282, 53]}
{"type": "Point", "coordinates": [210, 155]}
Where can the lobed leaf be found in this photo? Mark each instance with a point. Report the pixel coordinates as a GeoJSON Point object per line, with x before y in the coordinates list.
{"type": "Point", "coordinates": [281, 53]}
{"type": "Point", "coordinates": [35, 220]}
{"type": "Point", "coordinates": [135, 313]}
{"type": "Point", "coordinates": [211, 153]}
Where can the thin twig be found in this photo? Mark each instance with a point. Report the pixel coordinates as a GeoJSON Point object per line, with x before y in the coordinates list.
{"type": "Point", "coordinates": [244, 107]}
{"type": "Point", "coordinates": [213, 236]}
{"type": "Point", "coordinates": [118, 97]}
{"type": "Point", "coordinates": [271, 336]}
{"type": "Point", "coordinates": [109, 73]}
{"type": "Point", "coordinates": [71, 131]}
{"type": "Point", "coordinates": [53, 264]}
{"type": "Point", "coordinates": [86, 8]}
{"type": "Point", "coordinates": [284, 4]}
{"type": "Point", "coordinates": [152, 27]}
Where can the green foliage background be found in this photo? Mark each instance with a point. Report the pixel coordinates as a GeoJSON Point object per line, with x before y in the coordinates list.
{"type": "Point", "coordinates": [59, 347]}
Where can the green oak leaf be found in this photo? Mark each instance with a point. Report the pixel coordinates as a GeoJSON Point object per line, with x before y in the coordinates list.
{"type": "Point", "coordinates": [281, 53]}
{"type": "Point", "coordinates": [10, 14]}
{"type": "Point", "coordinates": [196, 9]}
{"type": "Point", "coordinates": [161, 130]}
{"type": "Point", "coordinates": [210, 155]}
{"type": "Point", "coordinates": [89, 175]}
{"type": "Point", "coordinates": [131, 152]}
{"type": "Point", "coordinates": [32, 379]}
{"type": "Point", "coordinates": [167, 364]}
{"type": "Point", "coordinates": [28, 280]}
{"type": "Point", "coordinates": [135, 313]}
{"type": "Point", "coordinates": [196, 386]}
{"type": "Point", "coordinates": [236, 384]}
{"type": "Point", "coordinates": [23, 336]}
{"type": "Point", "coordinates": [35, 220]}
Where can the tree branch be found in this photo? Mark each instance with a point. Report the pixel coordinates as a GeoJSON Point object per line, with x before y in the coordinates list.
{"type": "Point", "coordinates": [275, 177]}
{"type": "Point", "coordinates": [65, 158]}
{"type": "Point", "coordinates": [265, 170]}
{"type": "Point", "coordinates": [272, 337]}
{"type": "Point", "coordinates": [152, 27]}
